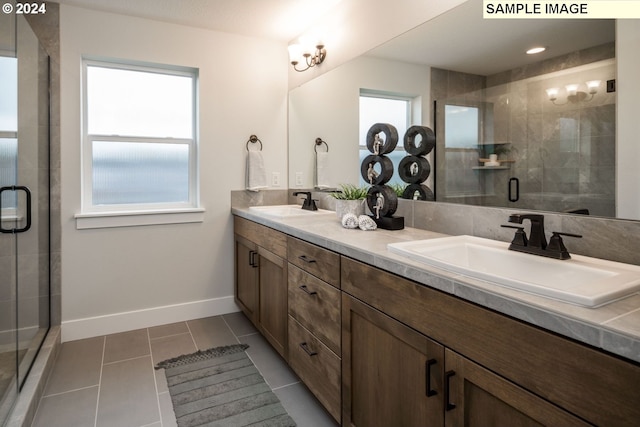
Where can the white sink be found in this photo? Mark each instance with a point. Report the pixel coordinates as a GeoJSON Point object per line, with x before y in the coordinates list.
{"type": "Point", "coordinates": [287, 211]}
{"type": "Point", "coordinates": [580, 280]}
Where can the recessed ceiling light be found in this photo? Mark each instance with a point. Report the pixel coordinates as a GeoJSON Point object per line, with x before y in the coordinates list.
{"type": "Point", "coordinates": [535, 50]}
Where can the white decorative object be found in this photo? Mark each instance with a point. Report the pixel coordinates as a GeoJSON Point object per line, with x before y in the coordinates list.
{"type": "Point", "coordinates": [349, 220]}
{"type": "Point", "coordinates": [493, 161]}
{"type": "Point", "coordinates": [366, 223]}
{"type": "Point", "coordinates": [355, 207]}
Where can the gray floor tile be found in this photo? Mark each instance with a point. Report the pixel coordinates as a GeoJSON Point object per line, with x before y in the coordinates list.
{"type": "Point", "coordinates": [161, 381]}
{"type": "Point", "coordinates": [166, 410]}
{"type": "Point", "coordinates": [126, 345]}
{"type": "Point", "coordinates": [303, 407]}
{"type": "Point", "coordinates": [128, 394]}
{"type": "Point", "coordinates": [77, 366]}
{"type": "Point", "coordinates": [239, 324]}
{"type": "Point", "coordinates": [211, 332]}
{"type": "Point", "coordinates": [166, 330]}
{"type": "Point", "coordinates": [75, 408]}
{"type": "Point", "coordinates": [171, 346]}
{"type": "Point", "coordinates": [272, 367]}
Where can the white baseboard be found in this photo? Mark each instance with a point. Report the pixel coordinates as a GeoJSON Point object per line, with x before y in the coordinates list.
{"type": "Point", "coordinates": [131, 320]}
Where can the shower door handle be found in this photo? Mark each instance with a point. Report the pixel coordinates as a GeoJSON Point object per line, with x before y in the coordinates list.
{"type": "Point", "coordinates": [514, 197]}
{"type": "Point", "coordinates": [28, 224]}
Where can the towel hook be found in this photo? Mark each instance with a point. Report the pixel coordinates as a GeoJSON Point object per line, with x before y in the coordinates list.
{"type": "Point", "coordinates": [319, 141]}
{"type": "Point", "coordinates": [253, 139]}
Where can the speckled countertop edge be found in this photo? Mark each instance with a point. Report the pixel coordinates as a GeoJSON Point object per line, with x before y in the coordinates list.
{"type": "Point", "coordinates": [593, 326]}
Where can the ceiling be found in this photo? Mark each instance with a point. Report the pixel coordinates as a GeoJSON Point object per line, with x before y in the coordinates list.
{"type": "Point", "coordinates": [278, 20]}
{"type": "Point", "coordinates": [461, 40]}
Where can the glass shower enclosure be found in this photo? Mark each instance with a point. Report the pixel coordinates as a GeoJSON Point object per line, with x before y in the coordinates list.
{"type": "Point", "coordinates": [24, 204]}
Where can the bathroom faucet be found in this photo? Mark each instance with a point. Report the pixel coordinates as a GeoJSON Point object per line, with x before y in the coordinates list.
{"type": "Point", "coordinates": [309, 203]}
{"type": "Point", "coordinates": [537, 242]}
{"type": "Point", "coordinates": [537, 239]}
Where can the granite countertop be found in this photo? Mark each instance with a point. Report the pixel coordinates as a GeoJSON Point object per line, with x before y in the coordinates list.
{"type": "Point", "coordinates": [614, 327]}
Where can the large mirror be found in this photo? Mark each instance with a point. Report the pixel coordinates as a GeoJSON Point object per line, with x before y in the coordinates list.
{"type": "Point", "coordinates": [482, 95]}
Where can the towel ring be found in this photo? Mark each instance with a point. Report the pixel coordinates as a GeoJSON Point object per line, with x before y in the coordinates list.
{"type": "Point", "coordinates": [319, 141]}
{"type": "Point", "coordinates": [253, 139]}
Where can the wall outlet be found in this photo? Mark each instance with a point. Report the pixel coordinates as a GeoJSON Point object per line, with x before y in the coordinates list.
{"type": "Point", "coordinates": [275, 179]}
{"type": "Point", "coordinates": [298, 179]}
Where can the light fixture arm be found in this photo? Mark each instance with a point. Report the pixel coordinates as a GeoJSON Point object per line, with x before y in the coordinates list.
{"type": "Point", "coordinates": [312, 60]}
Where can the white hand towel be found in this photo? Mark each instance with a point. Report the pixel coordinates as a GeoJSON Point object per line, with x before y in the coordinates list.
{"type": "Point", "coordinates": [256, 173]}
{"type": "Point", "coordinates": [322, 170]}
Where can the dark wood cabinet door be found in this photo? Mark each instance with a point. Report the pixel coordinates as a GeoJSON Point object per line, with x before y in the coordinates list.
{"type": "Point", "coordinates": [246, 283]}
{"type": "Point", "coordinates": [273, 299]}
{"type": "Point", "coordinates": [391, 375]}
{"type": "Point", "coordinates": [477, 397]}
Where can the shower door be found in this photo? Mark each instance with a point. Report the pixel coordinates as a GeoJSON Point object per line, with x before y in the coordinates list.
{"type": "Point", "coordinates": [24, 204]}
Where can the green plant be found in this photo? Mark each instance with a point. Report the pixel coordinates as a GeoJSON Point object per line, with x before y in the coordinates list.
{"type": "Point", "coordinates": [398, 188]}
{"type": "Point", "coordinates": [501, 149]}
{"type": "Point", "coordinates": [350, 192]}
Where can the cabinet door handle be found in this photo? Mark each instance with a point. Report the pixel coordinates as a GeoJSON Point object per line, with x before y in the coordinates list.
{"type": "Point", "coordinates": [429, 391]}
{"type": "Point", "coordinates": [306, 349]}
{"type": "Point", "coordinates": [252, 259]}
{"type": "Point", "coordinates": [306, 259]}
{"type": "Point", "coordinates": [307, 291]}
{"type": "Point", "coordinates": [447, 390]}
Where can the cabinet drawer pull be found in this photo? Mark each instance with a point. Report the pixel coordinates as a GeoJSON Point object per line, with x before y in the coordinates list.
{"type": "Point", "coordinates": [306, 349]}
{"type": "Point", "coordinates": [307, 291]}
{"type": "Point", "coordinates": [252, 259]}
{"type": "Point", "coordinates": [429, 391]}
{"type": "Point", "coordinates": [447, 390]}
{"type": "Point", "coordinates": [306, 259]}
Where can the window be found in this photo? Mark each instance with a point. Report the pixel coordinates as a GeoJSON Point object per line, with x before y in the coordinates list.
{"type": "Point", "coordinates": [377, 108]}
{"type": "Point", "coordinates": [139, 147]}
{"type": "Point", "coordinates": [8, 131]}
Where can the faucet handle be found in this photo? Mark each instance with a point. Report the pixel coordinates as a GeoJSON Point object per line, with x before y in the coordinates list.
{"type": "Point", "coordinates": [520, 238]}
{"type": "Point", "coordinates": [557, 245]}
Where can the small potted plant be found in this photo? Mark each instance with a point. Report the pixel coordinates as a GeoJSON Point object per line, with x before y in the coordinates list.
{"type": "Point", "coordinates": [350, 199]}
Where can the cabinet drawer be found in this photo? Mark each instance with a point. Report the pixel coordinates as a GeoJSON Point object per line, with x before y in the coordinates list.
{"type": "Point", "coordinates": [316, 365]}
{"type": "Point", "coordinates": [270, 239]}
{"type": "Point", "coordinates": [316, 305]}
{"type": "Point", "coordinates": [315, 260]}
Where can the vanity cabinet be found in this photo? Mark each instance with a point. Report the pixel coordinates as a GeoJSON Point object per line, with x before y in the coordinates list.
{"type": "Point", "coordinates": [246, 271]}
{"type": "Point", "coordinates": [490, 369]}
{"type": "Point", "coordinates": [261, 279]}
{"type": "Point", "coordinates": [392, 375]}
{"type": "Point", "coordinates": [315, 321]}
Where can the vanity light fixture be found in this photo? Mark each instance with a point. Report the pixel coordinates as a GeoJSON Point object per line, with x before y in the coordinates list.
{"type": "Point", "coordinates": [573, 93]}
{"type": "Point", "coordinates": [298, 53]}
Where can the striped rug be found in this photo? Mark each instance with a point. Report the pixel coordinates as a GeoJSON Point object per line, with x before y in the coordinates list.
{"type": "Point", "coordinates": [221, 387]}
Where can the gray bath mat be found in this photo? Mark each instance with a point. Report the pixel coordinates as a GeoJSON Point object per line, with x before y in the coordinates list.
{"type": "Point", "coordinates": [221, 387]}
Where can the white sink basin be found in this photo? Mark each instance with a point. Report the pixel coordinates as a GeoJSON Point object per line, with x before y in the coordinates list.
{"type": "Point", "coordinates": [580, 280]}
{"type": "Point", "coordinates": [287, 211]}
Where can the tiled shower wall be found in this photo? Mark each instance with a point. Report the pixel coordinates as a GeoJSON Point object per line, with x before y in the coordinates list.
{"type": "Point", "coordinates": [47, 28]}
{"type": "Point", "coordinates": [563, 153]}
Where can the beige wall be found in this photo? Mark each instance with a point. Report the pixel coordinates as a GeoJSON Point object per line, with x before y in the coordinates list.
{"type": "Point", "coordinates": [356, 26]}
{"type": "Point", "coordinates": [123, 278]}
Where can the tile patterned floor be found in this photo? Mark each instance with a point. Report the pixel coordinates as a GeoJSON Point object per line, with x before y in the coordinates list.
{"type": "Point", "coordinates": [110, 381]}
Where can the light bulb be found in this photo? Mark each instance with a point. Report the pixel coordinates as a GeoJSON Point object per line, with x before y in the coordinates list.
{"type": "Point", "coordinates": [552, 93]}
{"type": "Point", "coordinates": [593, 86]}
{"type": "Point", "coordinates": [572, 89]}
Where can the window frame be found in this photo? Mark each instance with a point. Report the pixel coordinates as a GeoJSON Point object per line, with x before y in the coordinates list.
{"type": "Point", "coordinates": [88, 209]}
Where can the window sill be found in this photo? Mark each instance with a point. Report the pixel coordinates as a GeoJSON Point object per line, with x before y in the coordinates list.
{"type": "Point", "coordinates": [138, 218]}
